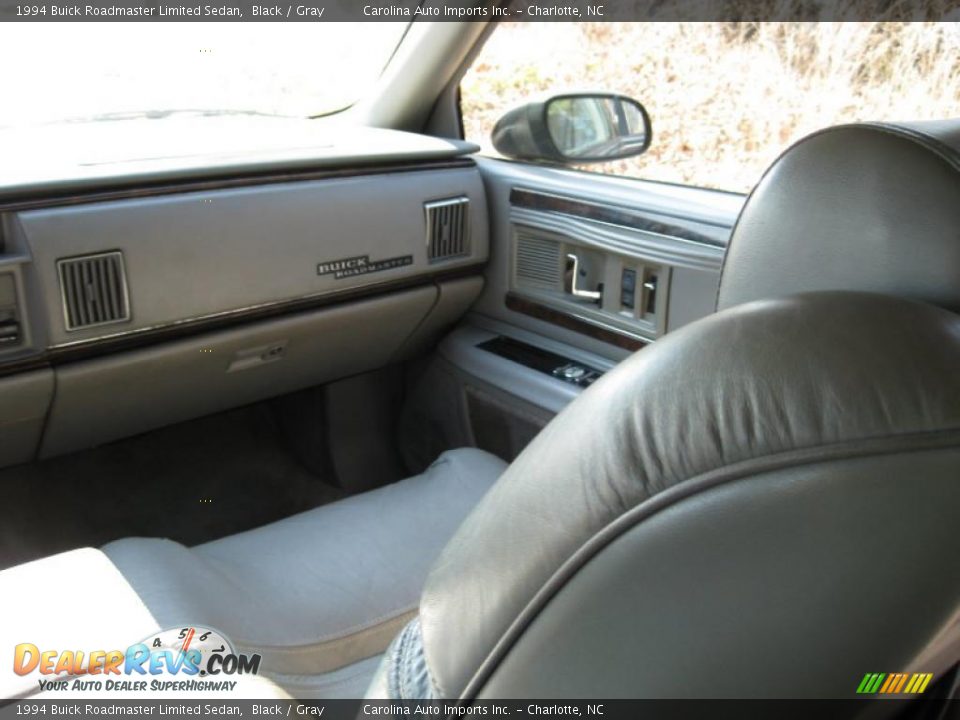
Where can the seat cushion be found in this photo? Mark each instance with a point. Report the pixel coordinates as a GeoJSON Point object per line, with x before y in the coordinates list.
{"type": "Point", "coordinates": [319, 595]}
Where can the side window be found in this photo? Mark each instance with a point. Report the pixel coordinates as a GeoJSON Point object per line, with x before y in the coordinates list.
{"type": "Point", "coordinates": [724, 98]}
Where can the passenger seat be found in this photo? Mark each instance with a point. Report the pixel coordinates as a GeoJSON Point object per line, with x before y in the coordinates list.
{"type": "Point", "coordinates": [319, 595]}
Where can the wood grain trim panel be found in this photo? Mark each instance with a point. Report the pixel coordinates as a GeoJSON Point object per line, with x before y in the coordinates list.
{"type": "Point", "coordinates": [524, 305]}
{"type": "Point", "coordinates": [605, 213]}
{"type": "Point", "coordinates": [85, 350]}
{"type": "Point", "coordinates": [24, 364]}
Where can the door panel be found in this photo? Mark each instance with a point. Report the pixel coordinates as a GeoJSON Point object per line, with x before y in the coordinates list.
{"type": "Point", "coordinates": [584, 270]}
{"type": "Point", "coordinates": [651, 251]}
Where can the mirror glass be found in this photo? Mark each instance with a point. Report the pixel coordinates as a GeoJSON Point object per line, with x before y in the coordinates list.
{"type": "Point", "coordinates": [597, 127]}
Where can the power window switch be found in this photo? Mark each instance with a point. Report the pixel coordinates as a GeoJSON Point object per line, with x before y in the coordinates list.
{"type": "Point", "coordinates": [628, 289]}
{"type": "Point", "coordinates": [9, 332]}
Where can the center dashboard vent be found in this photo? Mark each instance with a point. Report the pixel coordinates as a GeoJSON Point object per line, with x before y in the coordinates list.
{"type": "Point", "coordinates": [94, 290]}
{"type": "Point", "coordinates": [448, 228]}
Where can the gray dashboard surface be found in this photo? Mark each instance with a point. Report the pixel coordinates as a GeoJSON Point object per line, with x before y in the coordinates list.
{"type": "Point", "coordinates": [252, 264]}
{"type": "Point", "coordinates": [81, 156]}
{"type": "Point", "coordinates": [197, 255]}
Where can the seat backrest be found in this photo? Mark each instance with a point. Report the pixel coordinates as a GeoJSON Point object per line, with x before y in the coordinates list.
{"type": "Point", "coordinates": [763, 503]}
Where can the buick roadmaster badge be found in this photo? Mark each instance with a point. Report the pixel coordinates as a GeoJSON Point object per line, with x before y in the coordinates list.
{"type": "Point", "coordinates": [361, 265]}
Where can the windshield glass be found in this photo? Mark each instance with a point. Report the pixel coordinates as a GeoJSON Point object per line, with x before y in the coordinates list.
{"type": "Point", "coordinates": [91, 71]}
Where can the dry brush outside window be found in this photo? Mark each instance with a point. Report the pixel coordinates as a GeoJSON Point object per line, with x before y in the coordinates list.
{"type": "Point", "coordinates": [724, 98]}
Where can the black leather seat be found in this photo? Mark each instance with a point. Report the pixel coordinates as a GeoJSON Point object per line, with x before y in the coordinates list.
{"type": "Point", "coordinates": [762, 504]}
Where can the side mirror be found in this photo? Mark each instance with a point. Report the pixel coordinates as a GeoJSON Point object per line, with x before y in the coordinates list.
{"type": "Point", "coordinates": [577, 128]}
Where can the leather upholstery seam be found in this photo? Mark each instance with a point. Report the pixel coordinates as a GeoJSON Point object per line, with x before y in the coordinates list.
{"type": "Point", "coordinates": [323, 658]}
{"type": "Point", "coordinates": [215, 565]}
{"type": "Point", "coordinates": [685, 489]}
{"type": "Point", "coordinates": [334, 636]}
{"type": "Point", "coordinates": [929, 142]}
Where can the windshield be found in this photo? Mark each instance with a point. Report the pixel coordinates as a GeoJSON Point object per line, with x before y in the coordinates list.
{"type": "Point", "coordinates": [91, 71]}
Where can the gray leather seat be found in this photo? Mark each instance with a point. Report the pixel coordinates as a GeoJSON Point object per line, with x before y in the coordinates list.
{"type": "Point", "coordinates": [764, 503]}
{"type": "Point", "coordinates": [318, 595]}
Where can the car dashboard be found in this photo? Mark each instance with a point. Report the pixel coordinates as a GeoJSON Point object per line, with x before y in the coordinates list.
{"type": "Point", "coordinates": [139, 294]}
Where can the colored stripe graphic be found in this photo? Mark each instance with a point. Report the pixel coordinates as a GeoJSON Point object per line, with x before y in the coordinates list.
{"type": "Point", "coordinates": [894, 683]}
{"type": "Point", "coordinates": [918, 683]}
{"type": "Point", "coordinates": [870, 683]}
{"type": "Point", "coordinates": [891, 682]}
{"type": "Point", "coordinates": [899, 687]}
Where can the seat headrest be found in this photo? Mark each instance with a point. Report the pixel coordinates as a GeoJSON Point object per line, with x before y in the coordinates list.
{"type": "Point", "coordinates": [869, 207]}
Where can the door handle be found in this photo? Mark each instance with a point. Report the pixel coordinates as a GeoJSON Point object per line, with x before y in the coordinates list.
{"type": "Point", "coordinates": [573, 289]}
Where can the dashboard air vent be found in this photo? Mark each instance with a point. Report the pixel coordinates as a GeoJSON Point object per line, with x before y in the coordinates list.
{"type": "Point", "coordinates": [94, 290]}
{"type": "Point", "coordinates": [538, 262]}
{"type": "Point", "coordinates": [448, 229]}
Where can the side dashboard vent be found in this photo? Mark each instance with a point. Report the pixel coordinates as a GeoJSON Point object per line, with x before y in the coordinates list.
{"type": "Point", "coordinates": [448, 228]}
{"type": "Point", "coordinates": [94, 290]}
{"type": "Point", "coordinates": [538, 262]}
